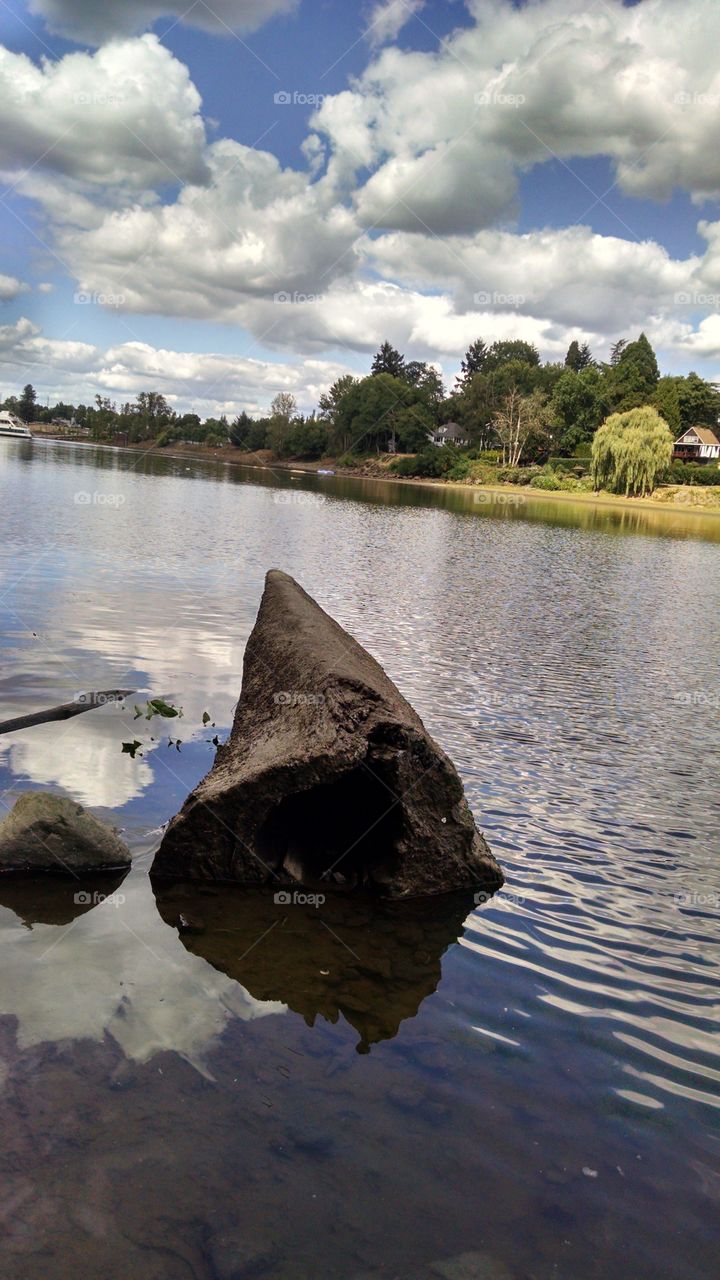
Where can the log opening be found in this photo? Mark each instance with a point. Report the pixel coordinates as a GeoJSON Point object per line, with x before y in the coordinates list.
{"type": "Point", "coordinates": [342, 833]}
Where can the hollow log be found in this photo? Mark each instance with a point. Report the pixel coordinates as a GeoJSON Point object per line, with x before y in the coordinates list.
{"type": "Point", "coordinates": [329, 777]}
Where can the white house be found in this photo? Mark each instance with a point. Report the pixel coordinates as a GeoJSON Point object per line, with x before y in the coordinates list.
{"type": "Point", "coordinates": [698, 444]}
{"type": "Point", "coordinates": [450, 433]}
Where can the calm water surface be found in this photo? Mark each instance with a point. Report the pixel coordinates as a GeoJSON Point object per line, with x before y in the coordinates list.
{"type": "Point", "coordinates": [521, 1090]}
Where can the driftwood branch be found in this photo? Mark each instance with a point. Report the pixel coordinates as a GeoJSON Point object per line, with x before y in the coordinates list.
{"type": "Point", "coordinates": [86, 702]}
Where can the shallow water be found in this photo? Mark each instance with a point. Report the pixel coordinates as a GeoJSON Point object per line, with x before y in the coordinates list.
{"type": "Point", "coordinates": [525, 1088]}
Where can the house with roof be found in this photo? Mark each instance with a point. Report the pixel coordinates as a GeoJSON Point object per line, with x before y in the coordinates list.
{"type": "Point", "coordinates": [450, 433]}
{"type": "Point", "coordinates": [698, 444]}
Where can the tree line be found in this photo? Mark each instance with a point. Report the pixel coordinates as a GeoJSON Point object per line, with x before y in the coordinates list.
{"type": "Point", "coordinates": [504, 398]}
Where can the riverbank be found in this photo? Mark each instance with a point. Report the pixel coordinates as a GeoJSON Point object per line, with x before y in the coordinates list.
{"type": "Point", "coordinates": [693, 499]}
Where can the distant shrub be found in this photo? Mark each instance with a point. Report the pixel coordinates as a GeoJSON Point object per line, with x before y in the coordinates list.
{"type": "Point", "coordinates": [570, 465]}
{"type": "Point", "coordinates": [546, 480]}
{"type": "Point", "coordinates": [693, 473]}
{"type": "Point", "coordinates": [431, 463]}
{"type": "Point", "coordinates": [461, 469]}
{"type": "Point", "coordinates": [584, 450]}
{"type": "Point", "coordinates": [518, 475]}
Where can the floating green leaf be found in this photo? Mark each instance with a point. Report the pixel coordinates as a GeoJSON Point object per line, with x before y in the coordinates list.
{"type": "Point", "coordinates": [130, 748]}
{"type": "Point", "coordinates": [158, 707]}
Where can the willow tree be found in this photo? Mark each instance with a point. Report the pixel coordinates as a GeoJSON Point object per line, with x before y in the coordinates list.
{"type": "Point", "coordinates": [630, 452]}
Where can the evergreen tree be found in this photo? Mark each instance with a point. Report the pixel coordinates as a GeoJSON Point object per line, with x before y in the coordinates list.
{"type": "Point", "coordinates": [388, 360]}
{"type": "Point", "coordinates": [27, 403]}
{"type": "Point", "coordinates": [616, 351]}
{"type": "Point", "coordinates": [633, 377]}
{"type": "Point", "coordinates": [578, 357]}
{"type": "Point", "coordinates": [474, 362]}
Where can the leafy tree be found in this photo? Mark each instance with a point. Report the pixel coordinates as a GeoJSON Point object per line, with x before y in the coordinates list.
{"type": "Point", "coordinates": [388, 360]}
{"type": "Point", "coordinates": [215, 431]}
{"type": "Point", "coordinates": [631, 451]}
{"type": "Point", "coordinates": [411, 426]}
{"type": "Point", "coordinates": [667, 402]}
{"type": "Point", "coordinates": [146, 418]}
{"type": "Point", "coordinates": [27, 403]}
{"type": "Point", "coordinates": [282, 411]}
{"type": "Point", "coordinates": [306, 439]}
{"type": "Point", "coordinates": [427, 380]}
{"type": "Point", "coordinates": [578, 357]}
{"type": "Point", "coordinates": [330, 400]}
{"type": "Point", "coordinates": [699, 402]}
{"type": "Point", "coordinates": [103, 420]}
{"type": "Point", "coordinates": [284, 406]}
{"type": "Point", "coordinates": [502, 353]}
{"type": "Point", "coordinates": [472, 408]}
{"type": "Point", "coordinates": [250, 434]}
{"type": "Point", "coordinates": [577, 407]}
{"type": "Point", "coordinates": [372, 414]}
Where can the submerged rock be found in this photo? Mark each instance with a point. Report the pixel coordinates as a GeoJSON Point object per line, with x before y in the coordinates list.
{"type": "Point", "coordinates": [45, 832]}
{"type": "Point", "coordinates": [329, 777]}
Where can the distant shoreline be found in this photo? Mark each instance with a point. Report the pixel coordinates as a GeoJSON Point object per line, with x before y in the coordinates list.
{"type": "Point", "coordinates": [265, 462]}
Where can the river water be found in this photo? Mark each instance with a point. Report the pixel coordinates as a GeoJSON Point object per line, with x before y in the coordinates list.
{"type": "Point", "coordinates": [525, 1089]}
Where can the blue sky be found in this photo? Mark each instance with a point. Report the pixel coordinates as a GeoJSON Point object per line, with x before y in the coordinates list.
{"type": "Point", "coordinates": [442, 171]}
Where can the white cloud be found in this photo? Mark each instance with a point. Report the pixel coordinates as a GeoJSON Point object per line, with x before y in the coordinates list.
{"type": "Point", "coordinates": [89, 21]}
{"type": "Point", "coordinates": [571, 275]}
{"type": "Point", "coordinates": [206, 383]}
{"type": "Point", "coordinates": [46, 286]}
{"type": "Point", "coordinates": [388, 18]}
{"type": "Point", "coordinates": [554, 78]}
{"type": "Point", "coordinates": [126, 118]}
{"type": "Point", "coordinates": [257, 230]}
{"type": "Point", "coordinates": [11, 288]}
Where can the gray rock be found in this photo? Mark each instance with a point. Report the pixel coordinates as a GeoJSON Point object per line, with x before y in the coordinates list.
{"type": "Point", "coordinates": [329, 778]}
{"type": "Point", "coordinates": [49, 833]}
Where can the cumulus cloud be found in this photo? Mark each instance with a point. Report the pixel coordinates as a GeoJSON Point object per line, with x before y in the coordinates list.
{"type": "Point", "coordinates": [205, 383]}
{"type": "Point", "coordinates": [90, 22]}
{"type": "Point", "coordinates": [257, 230]}
{"type": "Point", "coordinates": [125, 117]}
{"type": "Point", "coordinates": [11, 288]}
{"type": "Point", "coordinates": [570, 274]}
{"type": "Point", "coordinates": [554, 78]}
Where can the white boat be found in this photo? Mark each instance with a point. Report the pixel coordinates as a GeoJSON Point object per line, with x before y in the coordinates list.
{"type": "Point", "coordinates": [12, 426]}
